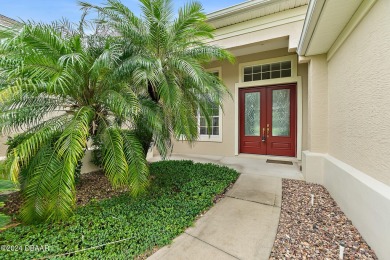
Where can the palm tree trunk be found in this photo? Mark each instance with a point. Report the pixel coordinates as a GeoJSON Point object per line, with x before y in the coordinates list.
{"type": "Point", "coordinates": [144, 134]}
{"type": "Point", "coordinates": [152, 93]}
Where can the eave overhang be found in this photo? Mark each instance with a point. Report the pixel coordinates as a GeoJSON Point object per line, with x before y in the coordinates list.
{"type": "Point", "coordinates": [328, 23]}
{"type": "Point", "coordinates": [249, 10]}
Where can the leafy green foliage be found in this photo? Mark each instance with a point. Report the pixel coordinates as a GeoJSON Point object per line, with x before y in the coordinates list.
{"type": "Point", "coordinates": [179, 192]}
{"type": "Point", "coordinates": [164, 54]}
{"type": "Point", "coordinates": [59, 88]}
{"type": "Point", "coordinates": [5, 186]}
{"type": "Point", "coordinates": [63, 88]}
{"type": "Point", "coordinates": [4, 219]}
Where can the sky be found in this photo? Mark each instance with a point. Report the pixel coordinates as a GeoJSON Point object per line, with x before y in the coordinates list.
{"type": "Point", "coordinates": [51, 10]}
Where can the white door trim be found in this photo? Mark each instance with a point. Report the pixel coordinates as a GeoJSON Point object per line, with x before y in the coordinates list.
{"type": "Point", "coordinates": [238, 86]}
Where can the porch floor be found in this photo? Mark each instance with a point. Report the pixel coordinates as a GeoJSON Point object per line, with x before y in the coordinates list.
{"type": "Point", "coordinates": [246, 164]}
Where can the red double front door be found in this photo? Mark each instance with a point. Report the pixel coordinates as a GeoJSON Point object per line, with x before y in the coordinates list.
{"type": "Point", "coordinates": [268, 120]}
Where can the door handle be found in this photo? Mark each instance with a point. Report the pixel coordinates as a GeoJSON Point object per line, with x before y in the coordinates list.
{"type": "Point", "coordinates": [267, 130]}
{"type": "Point", "coordinates": [263, 139]}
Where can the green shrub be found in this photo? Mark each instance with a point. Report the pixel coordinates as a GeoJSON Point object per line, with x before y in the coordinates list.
{"type": "Point", "coordinates": [179, 192]}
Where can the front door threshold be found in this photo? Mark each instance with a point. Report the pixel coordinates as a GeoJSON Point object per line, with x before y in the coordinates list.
{"type": "Point", "coordinates": [270, 157]}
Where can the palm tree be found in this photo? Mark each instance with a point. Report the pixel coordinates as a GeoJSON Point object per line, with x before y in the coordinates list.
{"type": "Point", "coordinates": [58, 90]}
{"type": "Point", "coordinates": [164, 58]}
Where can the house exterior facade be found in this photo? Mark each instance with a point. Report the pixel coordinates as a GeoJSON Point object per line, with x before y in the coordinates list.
{"type": "Point", "coordinates": [264, 36]}
{"type": "Point", "coordinates": [311, 83]}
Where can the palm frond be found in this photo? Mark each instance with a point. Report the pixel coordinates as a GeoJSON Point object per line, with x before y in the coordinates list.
{"type": "Point", "coordinates": [154, 119]}
{"type": "Point", "coordinates": [106, 60]}
{"type": "Point", "coordinates": [32, 141]}
{"type": "Point", "coordinates": [72, 59]}
{"type": "Point", "coordinates": [9, 93]}
{"type": "Point", "coordinates": [73, 140]}
{"type": "Point", "coordinates": [124, 105]}
{"type": "Point", "coordinates": [44, 39]}
{"type": "Point", "coordinates": [187, 66]}
{"type": "Point", "coordinates": [185, 24]}
{"type": "Point", "coordinates": [26, 111]}
{"type": "Point", "coordinates": [138, 170]}
{"type": "Point", "coordinates": [62, 193]}
{"type": "Point", "coordinates": [204, 53]}
{"type": "Point", "coordinates": [48, 191]}
{"type": "Point", "coordinates": [114, 160]}
{"type": "Point", "coordinates": [12, 166]}
{"type": "Point", "coordinates": [185, 122]}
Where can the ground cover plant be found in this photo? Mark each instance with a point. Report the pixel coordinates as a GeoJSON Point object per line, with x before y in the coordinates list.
{"type": "Point", "coordinates": [179, 192]}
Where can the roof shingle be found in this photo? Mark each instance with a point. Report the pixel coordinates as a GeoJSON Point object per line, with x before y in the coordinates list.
{"type": "Point", "coordinates": [7, 22]}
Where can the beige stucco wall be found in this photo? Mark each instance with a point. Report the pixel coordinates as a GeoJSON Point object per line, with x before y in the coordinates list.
{"type": "Point", "coordinates": [88, 166]}
{"type": "Point", "coordinates": [3, 147]}
{"type": "Point", "coordinates": [317, 97]}
{"type": "Point", "coordinates": [230, 76]}
{"type": "Point", "coordinates": [303, 72]}
{"type": "Point", "coordinates": [359, 96]}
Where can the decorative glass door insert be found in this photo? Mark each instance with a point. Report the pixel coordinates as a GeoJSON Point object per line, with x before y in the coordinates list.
{"type": "Point", "coordinates": [281, 112]}
{"type": "Point", "coordinates": [252, 114]}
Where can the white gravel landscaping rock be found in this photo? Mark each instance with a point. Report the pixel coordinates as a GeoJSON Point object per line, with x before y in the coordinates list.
{"type": "Point", "coordinates": [315, 232]}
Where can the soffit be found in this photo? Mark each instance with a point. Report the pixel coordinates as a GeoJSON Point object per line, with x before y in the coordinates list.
{"type": "Point", "coordinates": [263, 46]}
{"type": "Point", "coordinates": [334, 15]}
{"type": "Point", "coordinates": [251, 10]}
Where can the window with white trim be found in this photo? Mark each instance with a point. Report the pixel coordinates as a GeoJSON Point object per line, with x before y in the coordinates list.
{"type": "Point", "coordinates": [214, 131]}
{"type": "Point", "coordinates": [269, 70]}
{"type": "Point", "coordinates": [274, 70]}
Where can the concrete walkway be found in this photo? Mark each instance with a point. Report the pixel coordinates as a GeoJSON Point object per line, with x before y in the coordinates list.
{"type": "Point", "coordinates": [242, 225]}
{"type": "Point", "coordinates": [246, 164]}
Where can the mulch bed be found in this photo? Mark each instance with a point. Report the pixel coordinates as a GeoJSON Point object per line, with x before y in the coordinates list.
{"type": "Point", "coordinates": [92, 186]}
{"type": "Point", "coordinates": [314, 232]}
